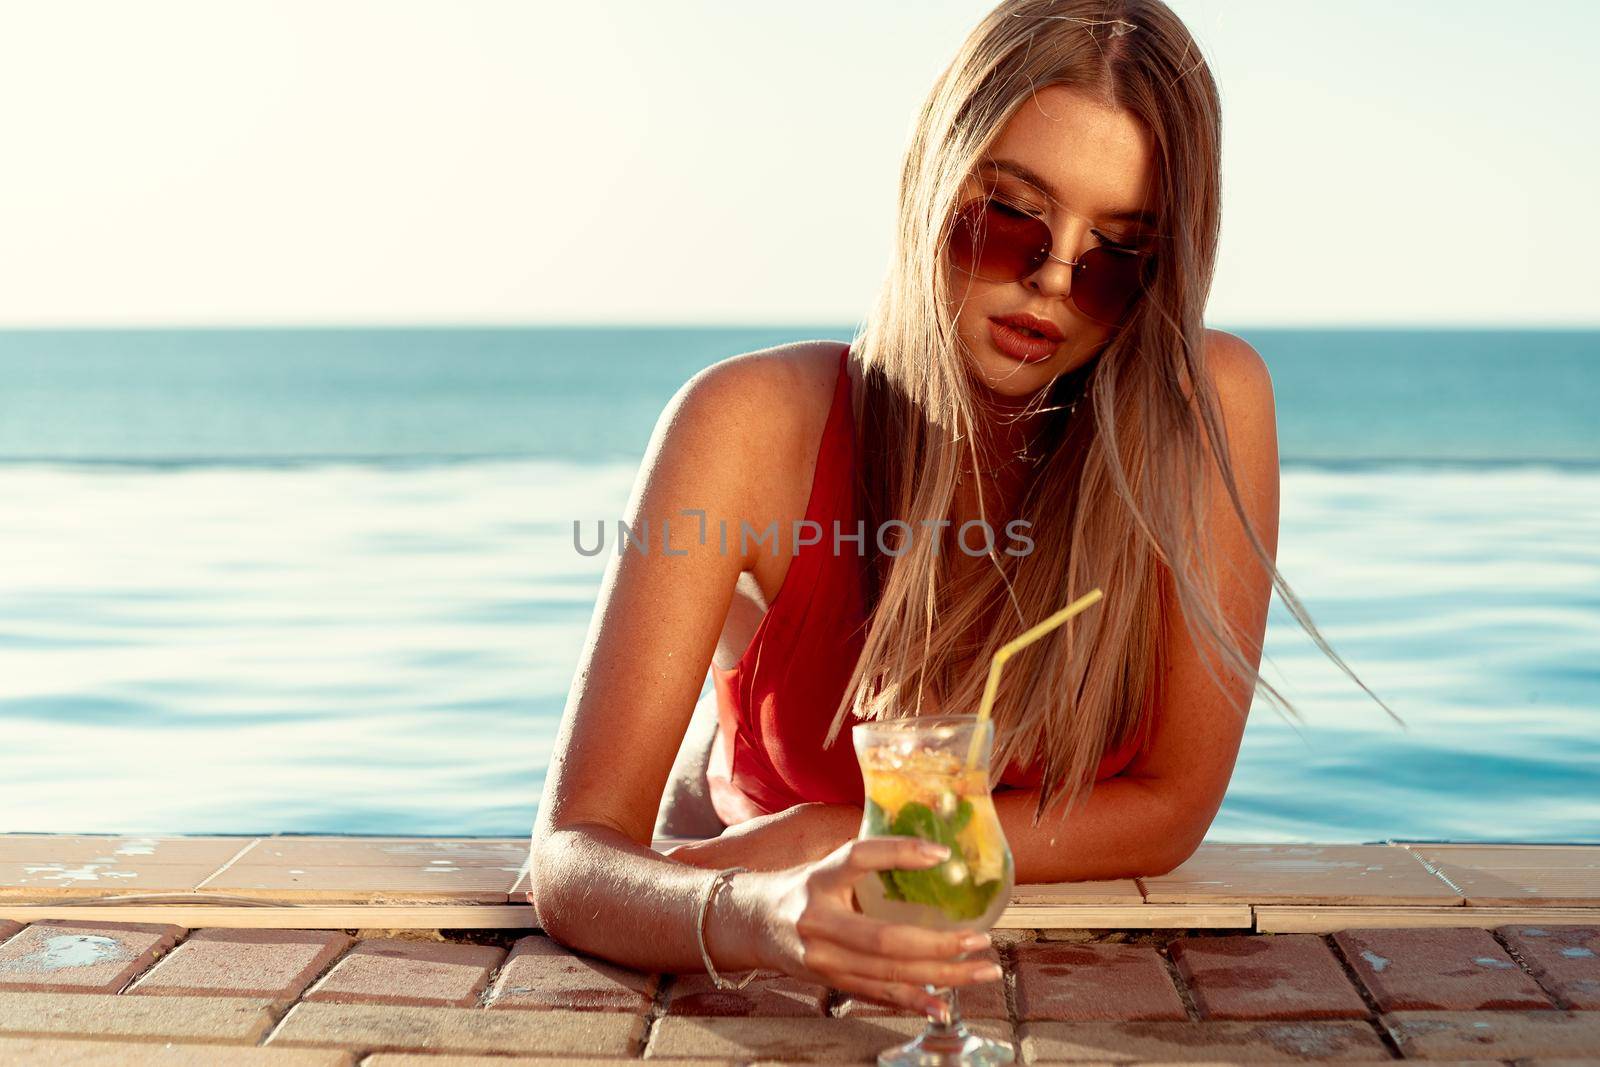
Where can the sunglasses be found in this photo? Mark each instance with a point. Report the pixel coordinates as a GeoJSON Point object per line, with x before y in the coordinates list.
{"type": "Point", "coordinates": [999, 242]}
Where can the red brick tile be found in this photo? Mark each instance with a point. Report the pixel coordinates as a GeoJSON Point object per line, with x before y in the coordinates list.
{"type": "Point", "coordinates": [421, 973]}
{"type": "Point", "coordinates": [221, 962]}
{"type": "Point", "coordinates": [1059, 980]}
{"type": "Point", "coordinates": [776, 1042]}
{"type": "Point", "coordinates": [434, 1059]}
{"type": "Point", "coordinates": [1449, 968]}
{"type": "Point", "coordinates": [1281, 976]}
{"type": "Point", "coordinates": [1215, 1043]}
{"type": "Point", "coordinates": [981, 1000]}
{"type": "Point", "coordinates": [543, 974]}
{"type": "Point", "coordinates": [573, 1036]}
{"type": "Point", "coordinates": [452, 1059]}
{"type": "Point", "coordinates": [112, 1017]}
{"type": "Point", "coordinates": [33, 1051]}
{"type": "Point", "coordinates": [1565, 958]}
{"type": "Point", "coordinates": [769, 994]}
{"type": "Point", "coordinates": [1500, 1035]}
{"type": "Point", "coordinates": [60, 956]}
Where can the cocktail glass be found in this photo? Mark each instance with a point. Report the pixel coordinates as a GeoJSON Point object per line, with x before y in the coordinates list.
{"type": "Point", "coordinates": [923, 778]}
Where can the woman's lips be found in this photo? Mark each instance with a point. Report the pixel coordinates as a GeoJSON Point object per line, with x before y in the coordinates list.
{"type": "Point", "coordinates": [1019, 345]}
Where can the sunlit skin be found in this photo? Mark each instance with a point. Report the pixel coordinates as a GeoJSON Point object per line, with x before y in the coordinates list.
{"type": "Point", "coordinates": [740, 443]}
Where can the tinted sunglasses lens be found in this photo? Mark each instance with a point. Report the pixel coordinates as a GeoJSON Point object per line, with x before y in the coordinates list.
{"type": "Point", "coordinates": [996, 245]}
{"type": "Point", "coordinates": [1108, 284]}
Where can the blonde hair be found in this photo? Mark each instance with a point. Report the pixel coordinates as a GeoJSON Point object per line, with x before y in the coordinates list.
{"type": "Point", "coordinates": [1118, 500]}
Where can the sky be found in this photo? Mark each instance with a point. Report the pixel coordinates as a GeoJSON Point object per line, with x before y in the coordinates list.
{"type": "Point", "coordinates": [342, 162]}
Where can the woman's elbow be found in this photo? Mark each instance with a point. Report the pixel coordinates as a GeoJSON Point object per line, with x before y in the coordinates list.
{"type": "Point", "coordinates": [1174, 849]}
{"type": "Point", "coordinates": [549, 868]}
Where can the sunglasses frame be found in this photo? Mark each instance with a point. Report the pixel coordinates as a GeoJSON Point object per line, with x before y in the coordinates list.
{"type": "Point", "coordinates": [1082, 267]}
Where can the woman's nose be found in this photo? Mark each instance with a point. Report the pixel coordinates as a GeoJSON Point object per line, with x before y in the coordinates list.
{"type": "Point", "coordinates": [1055, 275]}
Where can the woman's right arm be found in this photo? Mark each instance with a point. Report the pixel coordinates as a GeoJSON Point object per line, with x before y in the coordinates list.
{"type": "Point", "coordinates": [596, 883]}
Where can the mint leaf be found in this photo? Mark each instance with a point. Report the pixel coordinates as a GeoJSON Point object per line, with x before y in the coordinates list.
{"type": "Point", "coordinates": [933, 885]}
{"type": "Point", "coordinates": [877, 820]}
{"type": "Point", "coordinates": [916, 819]}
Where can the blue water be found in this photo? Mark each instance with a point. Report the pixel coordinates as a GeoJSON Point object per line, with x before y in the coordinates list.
{"type": "Point", "coordinates": [323, 580]}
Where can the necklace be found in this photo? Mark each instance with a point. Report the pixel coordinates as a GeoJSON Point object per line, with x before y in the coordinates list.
{"type": "Point", "coordinates": [1027, 455]}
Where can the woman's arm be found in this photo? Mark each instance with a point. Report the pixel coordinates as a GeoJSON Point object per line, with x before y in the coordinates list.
{"type": "Point", "coordinates": [1152, 817]}
{"type": "Point", "coordinates": [723, 447]}
{"type": "Point", "coordinates": [1190, 759]}
{"type": "Point", "coordinates": [595, 881]}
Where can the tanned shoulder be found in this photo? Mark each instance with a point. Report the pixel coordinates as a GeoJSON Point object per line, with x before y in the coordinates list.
{"type": "Point", "coordinates": [1235, 364]}
{"type": "Point", "coordinates": [757, 419]}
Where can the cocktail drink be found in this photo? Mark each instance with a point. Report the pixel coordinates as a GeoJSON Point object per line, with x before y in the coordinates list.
{"type": "Point", "coordinates": [928, 777]}
{"type": "Point", "coordinates": [917, 786]}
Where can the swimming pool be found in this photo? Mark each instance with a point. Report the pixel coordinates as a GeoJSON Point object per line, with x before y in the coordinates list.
{"type": "Point", "coordinates": [376, 641]}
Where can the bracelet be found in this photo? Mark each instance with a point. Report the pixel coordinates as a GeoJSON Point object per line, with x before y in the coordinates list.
{"type": "Point", "coordinates": [717, 881]}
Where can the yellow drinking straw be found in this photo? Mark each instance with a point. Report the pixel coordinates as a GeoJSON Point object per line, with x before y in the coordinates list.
{"type": "Point", "coordinates": [1011, 648]}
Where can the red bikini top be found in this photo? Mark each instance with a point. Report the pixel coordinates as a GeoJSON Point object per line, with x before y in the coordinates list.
{"type": "Point", "coordinates": [774, 706]}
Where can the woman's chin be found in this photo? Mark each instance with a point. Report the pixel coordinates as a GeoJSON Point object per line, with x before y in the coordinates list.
{"type": "Point", "coordinates": [1010, 377]}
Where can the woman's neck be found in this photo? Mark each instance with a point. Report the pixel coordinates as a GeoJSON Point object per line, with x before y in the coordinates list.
{"type": "Point", "coordinates": [1006, 436]}
{"type": "Point", "coordinates": [1007, 425]}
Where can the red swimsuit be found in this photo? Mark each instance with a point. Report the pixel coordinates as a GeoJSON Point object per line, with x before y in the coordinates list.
{"type": "Point", "coordinates": [775, 704]}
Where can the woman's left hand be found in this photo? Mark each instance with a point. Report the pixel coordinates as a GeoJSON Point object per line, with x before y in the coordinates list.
{"type": "Point", "coordinates": [804, 833]}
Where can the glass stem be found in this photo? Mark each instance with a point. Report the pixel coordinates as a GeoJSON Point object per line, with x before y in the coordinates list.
{"type": "Point", "coordinates": [948, 1021]}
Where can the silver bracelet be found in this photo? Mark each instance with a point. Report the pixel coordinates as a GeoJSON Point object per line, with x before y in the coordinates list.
{"type": "Point", "coordinates": [717, 881]}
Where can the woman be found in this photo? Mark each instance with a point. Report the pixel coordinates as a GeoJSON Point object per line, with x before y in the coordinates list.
{"type": "Point", "coordinates": [1037, 354]}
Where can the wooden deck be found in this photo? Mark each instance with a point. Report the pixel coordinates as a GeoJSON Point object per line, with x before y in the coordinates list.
{"type": "Point", "coordinates": [336, 882]}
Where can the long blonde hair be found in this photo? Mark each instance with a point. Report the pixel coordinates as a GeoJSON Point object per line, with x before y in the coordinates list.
{"type": "Point", "coordinates": [1118, 501]}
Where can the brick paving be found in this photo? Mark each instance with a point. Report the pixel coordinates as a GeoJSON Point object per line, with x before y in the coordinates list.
{"type": "Point", "coordinates": [1282, 976]}
{"type": "Point", "coordinates": [1497, 1035]}
{"type": "Point", "coordinates": [273, 964]}
{"type": "Point", "coordinates": [403, 1028]}
{"type": "Point", "coordinates": [100, 992]}
{"type": "Point", "coordinates": [1565, 959]}
{"type": "Point", "coordinates": [1213, 1042]}
{"type": "Point", "coordinates": [1446, 969]}
{"type": "Point", "coordinates": [766, 995]}
{"type": "Point", "coordinates": [58, 956]}
{"type": "Point", "coordinates": [417, 973]}
{"type": "Point", "coordinates": [34, 1051]}
{"type": "Point", "coordinates": [1090, 982]}
{"type": "Point", "coordinates": [226, 1020]}
{"type": "Point", "coordinates": [540, 973]}
{"type": "Point", "coordinates": [738, 1040]}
